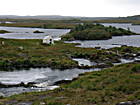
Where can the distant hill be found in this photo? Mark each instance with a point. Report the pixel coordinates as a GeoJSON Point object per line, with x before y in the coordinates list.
{"type": "Point", "coordinates": [135, 17]}
{"type": "Point", "coordinates": [59, 17]}
{"type": "Point", "coordinates": [52, 17]}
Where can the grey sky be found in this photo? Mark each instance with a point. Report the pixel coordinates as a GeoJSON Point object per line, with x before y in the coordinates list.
{"type": "Point", "coordinates": [130, 2]}
{"type": "Point", "coordinates": [92, 8]}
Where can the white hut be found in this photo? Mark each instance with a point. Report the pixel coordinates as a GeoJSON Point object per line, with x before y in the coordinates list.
{"type": "Point", "coordinates": [48, 40]}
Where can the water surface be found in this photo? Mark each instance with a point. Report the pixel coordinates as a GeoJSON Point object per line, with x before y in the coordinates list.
{"type": "Point", "coordinates": [43, 77]}
{"type": "Point", "coordinates": [133, 28]}
{"type": "Point", "coordinates": [27, 33]}
{"type": "Point", "coordinates": [117, 41]}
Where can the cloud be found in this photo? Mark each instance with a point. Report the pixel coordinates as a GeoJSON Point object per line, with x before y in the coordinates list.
{"type": "Point", "coordinates": [127, 2]}
{"type": "Point", "coordinates": [71, 7]}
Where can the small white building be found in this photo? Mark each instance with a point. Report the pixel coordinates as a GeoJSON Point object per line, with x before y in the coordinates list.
{"type": "Point", "coordinates": [48, 40]}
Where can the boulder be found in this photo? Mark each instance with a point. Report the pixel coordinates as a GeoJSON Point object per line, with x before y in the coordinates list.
{"type": "Point", "coordinates": [37, 31]}
{"type": "Point", "coordinates": [2, 95]}
{"type": "Point", "coordinates": [129, 103]}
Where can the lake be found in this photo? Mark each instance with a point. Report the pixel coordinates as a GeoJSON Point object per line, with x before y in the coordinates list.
{"type": "Point", "coordinates": [117, 41]}
{"type": "Point", "coordinates": [27, 33]}
{"type": "Point", "coordinates": [133, 28]}
{"type": "Point", "coordinates": [43, 77]}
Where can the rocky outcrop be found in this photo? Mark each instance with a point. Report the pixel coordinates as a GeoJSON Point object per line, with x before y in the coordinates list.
{"type": "Point", "coordinates": [22, 84]}
{"type": "Point", "coordinates": [2, 95]}
{"type": "Point", "coordinates": [129, 103]}
{"type": "Point", "coordinates": [37, 31]}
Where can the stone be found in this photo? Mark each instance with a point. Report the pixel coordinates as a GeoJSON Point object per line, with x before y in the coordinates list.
{"type": "Point", "coordinates": [129, 103]}
{"type": "Point", "coordinates": [1, 94]}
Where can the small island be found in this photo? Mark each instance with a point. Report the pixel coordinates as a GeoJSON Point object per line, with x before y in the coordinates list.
{"type": "Point", "coordinates": [37, 31]}
{"type": "Point", "coordinates": [4, 31]}
{"type": "Point", "coordinates": [95, 32]}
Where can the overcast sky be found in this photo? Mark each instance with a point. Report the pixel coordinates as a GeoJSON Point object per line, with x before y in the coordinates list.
{"type": "Point", "coordinates": [89, 8]}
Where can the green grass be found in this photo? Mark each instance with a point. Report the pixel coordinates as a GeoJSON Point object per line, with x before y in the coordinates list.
{"type": "Point", "coordinates": [106, 87]}
{"type": "Point", "coordinates": [15, 54]}
{"type": "Point", "coordinates": [61, 24]}
{"type": "Point", "coordinates": [20, 54]}
{"type": "Point", "coordinates": [32, 52]}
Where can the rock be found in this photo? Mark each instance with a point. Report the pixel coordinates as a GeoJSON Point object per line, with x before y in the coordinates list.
{"type": "Point", "coordinates": [128, 50]}
{"type": "Point", "coordinates": [129, 103]}
{"type": "Point", "coordinates": [125, 103]}
{"type": "Point", "coordinates": [37, 31]}
{"type": "Point", "coordinates": [65, 81]}
{"type": "Point", "coordinates": [124, 46]}
{"type": "Point", "coordinates": [22, 55]}
{"type": "Point", "coordinates": [2, 95]}
{"type": "Point", "coordinates": [137, 61]}
{"type": "Point", "coordinates": [134, 55]}
{"type": "Point", "coordinates": [128, 56]}
{"type": "Point", "coordinates": [20, 48]}
{"type": "Point", "coordinates": [2, 43]}
{"type": "Point", "coordinates": [22, 84]}
{"type": "Point", "coordinates": [62, 82]}
{"type": "Point", "coordinates": [97, 47]}
{"type": "Point", "coordinates": [42, 103]}
{"type": "Point", "coordinates": [138, 54]}
{"type": "Point", "coordinates": [104, 65]}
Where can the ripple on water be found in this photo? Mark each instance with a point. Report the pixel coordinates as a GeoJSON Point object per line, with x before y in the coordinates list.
{"type": "Point", "coordinates": [117, 41]}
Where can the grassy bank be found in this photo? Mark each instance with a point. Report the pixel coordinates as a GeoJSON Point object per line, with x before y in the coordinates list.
{"type": "Point", "coordinates": [106, 87]}
{"type": "Point", "coordinates": [18, 54]}
{"type": "Point", "coordinates": [48, 24]}
{"type": "Point", "coordinates": [61, 24]}
{"type": "Point", "coordinates": [21, 54]}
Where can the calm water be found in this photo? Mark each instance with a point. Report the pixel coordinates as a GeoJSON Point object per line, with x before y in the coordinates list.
{"type": "Point", "coordinates": [115, 41]}
{"type": "Point", "coordinates": [43, 78]}
{"type": "Point", "coordinates": [27, 33]}
{"type": "Point", "coordinates": [134, 28]}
